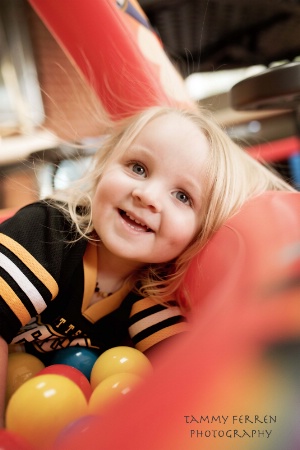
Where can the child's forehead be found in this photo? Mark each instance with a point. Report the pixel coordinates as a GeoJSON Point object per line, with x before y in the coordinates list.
{"type": "Point", "coordinates": [154, 139]}
{"type": "Point", "coordinates": [169, 119]}
{"type": "Point", "coordinates": [172, 128]}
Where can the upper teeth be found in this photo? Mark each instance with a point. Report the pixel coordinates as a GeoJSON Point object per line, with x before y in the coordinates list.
{"type": "Point", "coordinates": [134, 219]}
{"type": "Point", "coordinates": [137, 221]}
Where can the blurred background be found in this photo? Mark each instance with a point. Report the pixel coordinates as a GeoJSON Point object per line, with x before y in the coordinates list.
{"type": "Point", "coordinates": [215, 44]}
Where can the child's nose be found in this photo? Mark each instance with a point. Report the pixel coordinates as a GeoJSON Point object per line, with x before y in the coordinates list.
{"type": "Point", "coordinates": [149, 197]}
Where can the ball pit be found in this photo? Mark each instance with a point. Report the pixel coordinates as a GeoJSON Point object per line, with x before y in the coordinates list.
{"type": "Point", "coordinates": [59, 398]}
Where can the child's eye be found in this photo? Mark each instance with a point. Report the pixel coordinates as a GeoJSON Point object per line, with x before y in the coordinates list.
{"type": "Point", "coordinates": [138, 168]}
{"type": "Point", "coordinates": [183, 197]}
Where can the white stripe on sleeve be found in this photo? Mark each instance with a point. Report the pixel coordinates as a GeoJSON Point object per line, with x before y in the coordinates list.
{"type": "Point", "coordinates": [26, 285]}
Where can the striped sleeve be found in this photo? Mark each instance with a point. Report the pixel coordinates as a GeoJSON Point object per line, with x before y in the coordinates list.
{"type": "Point", "coordinates": [151, 323]}
{"type": "Point", "coordinates": [24, 282]}
{"type": "Point", "coordinates": [33, 268]}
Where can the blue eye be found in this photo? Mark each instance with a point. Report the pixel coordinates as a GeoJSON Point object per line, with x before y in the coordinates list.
{"type": "Point", "coordinates": [138, 169]}
{"type": "Point", "coordinates": [182, 197]}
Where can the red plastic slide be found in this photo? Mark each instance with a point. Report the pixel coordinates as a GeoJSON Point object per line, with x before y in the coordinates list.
{"type": "Point", "coordinates": [116, 50]}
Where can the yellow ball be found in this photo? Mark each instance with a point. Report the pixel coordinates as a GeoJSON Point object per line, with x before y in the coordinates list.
{"type": "Point", "coordinates": [120, 360]}
{"type": "Point", "coordinates": [42, 407]}
{"type": "Point", "coordinates": [111, 390]}
{"type": "Point", "coordinates": [21, 367]}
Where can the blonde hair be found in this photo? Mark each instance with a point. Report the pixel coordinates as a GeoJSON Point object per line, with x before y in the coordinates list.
{"type": "Point", "coordinates": [232, 178]}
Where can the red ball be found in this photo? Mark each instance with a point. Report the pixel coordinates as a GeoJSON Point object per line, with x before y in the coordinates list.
{"type": "Point", "coordinates": [12, 441]}
{"type": "Point", "coordinates": [73, 374]}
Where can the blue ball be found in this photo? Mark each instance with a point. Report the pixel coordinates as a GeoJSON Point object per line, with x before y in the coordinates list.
{"type": "Point", "coordinates": [81, 358]}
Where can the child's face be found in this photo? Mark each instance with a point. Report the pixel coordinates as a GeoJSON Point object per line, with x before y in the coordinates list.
{"type": "Point", "coordinates": [147, 204]}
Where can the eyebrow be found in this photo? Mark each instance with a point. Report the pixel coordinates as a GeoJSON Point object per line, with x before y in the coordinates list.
{"type": "Point", "coordinates": [135, 148]}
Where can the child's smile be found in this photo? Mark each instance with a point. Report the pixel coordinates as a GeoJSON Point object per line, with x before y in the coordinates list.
{"type": "Point", "coordinates": [135, 223]}
{"type": "Point", "coordinates": [147, 204]}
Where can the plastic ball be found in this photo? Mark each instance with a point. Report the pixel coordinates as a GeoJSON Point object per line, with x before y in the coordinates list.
{"type": "Point", "coordinates": [72, 374]}
{"type": "Point", "coordinates": [81, 358]}
{"type": "Point", "coordinates": [120, 360]}
{"type": "Point", "coordinates": [12, 441]}
{"type": "Point", "coordinates": [20, 368]}
{"type": "Point", "coordinates": [111, 390]}
{"type": "Point", "coordinates": [80, 426]}
{"type": "Point", "coordinates": [42, 407]}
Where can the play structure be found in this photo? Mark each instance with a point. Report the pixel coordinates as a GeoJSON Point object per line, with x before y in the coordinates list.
{"type": "Point", "coordinates": [233, 381]}
{"type": "Point", "coordinates": [116, 51]}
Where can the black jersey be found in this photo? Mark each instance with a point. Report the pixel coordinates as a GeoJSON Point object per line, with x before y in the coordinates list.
{"type": "Point", "coordinates": [46, 283]}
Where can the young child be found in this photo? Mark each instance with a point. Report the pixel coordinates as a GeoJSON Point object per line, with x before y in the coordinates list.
{"type": "Point", "coordinates": [100, 266]}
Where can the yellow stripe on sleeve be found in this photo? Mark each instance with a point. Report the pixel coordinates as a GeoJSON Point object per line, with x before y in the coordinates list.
{"type": "Point", "coordinates": [39, 271]}
{"type": "Point", "coordinates": [161, 335]}
{"type": "Point", "coordinates": [142, 305]}
{"type": "Point", "coordinates": [14, 303]}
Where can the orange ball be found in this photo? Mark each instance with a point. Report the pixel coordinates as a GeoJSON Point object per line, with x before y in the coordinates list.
{"type": "Point", "coordinates": [111, 390]}
{"type": "Point", "coordinates": [42, 407]}
{"type": "Point", "coordinates": [120, 359]}
{"type": "Point", "coordinates": [20, 368]}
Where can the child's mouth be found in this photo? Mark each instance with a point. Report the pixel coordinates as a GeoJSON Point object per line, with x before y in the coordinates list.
{"type": "Point", "coordinates": [134, 223]}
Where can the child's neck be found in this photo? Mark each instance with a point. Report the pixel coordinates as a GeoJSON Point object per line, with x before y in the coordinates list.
{"type": "Point", "coordinates": [112, 271]}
